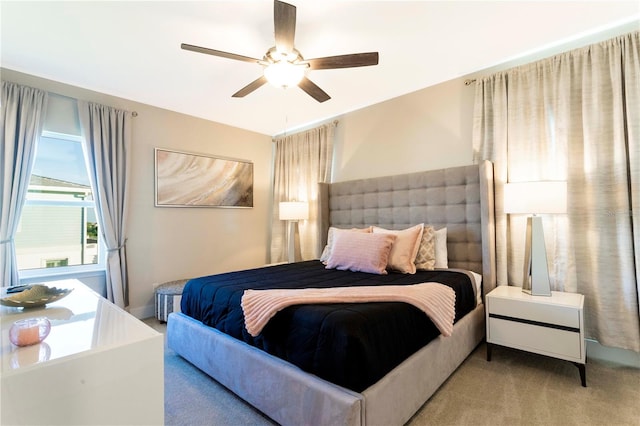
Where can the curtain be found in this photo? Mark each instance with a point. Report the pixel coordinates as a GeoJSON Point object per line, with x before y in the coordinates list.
{"type": "Point", "coordinates": [107, 135]}
{"type": "Point", "coordinates": [23, 111]}
{"type": "Point", "coordinates": [302, 160]}
{"type": "Point", "coordinates": [573, 117]}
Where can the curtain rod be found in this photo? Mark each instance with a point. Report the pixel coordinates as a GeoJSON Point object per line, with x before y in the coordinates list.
{"type": "Point", "coordinates": [469, 81]}
{"type": "Point", "coordinates": [334, 123]}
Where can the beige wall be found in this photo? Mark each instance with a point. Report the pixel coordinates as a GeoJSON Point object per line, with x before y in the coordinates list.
{"type": "Point", "coordinates": [428, 129]}
{"type": "Point", "coordinates": [425, 130]}
{"type": "Point", "coordinates": [171, 243]}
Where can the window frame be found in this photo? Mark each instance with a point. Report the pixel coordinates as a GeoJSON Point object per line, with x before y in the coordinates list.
{"type": "Point", "coordinates": [73, 271]}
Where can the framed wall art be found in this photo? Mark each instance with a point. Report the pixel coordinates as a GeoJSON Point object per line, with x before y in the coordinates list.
{"type": "Point", "coordinates": [185, 179]}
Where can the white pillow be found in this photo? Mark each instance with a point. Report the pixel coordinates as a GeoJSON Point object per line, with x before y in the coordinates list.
{"type": "Point", "coordinates": [360, 252]}
{"type": "Point", "coordinates": [405, 248]}
{"type": "Point", "coordinates": [442, 257]}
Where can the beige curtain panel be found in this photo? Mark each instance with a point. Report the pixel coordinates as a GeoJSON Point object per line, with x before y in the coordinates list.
{"type": "Point", "coordinates": [573, 117]}
{"type": "Point", "coordinates": [302, 160]}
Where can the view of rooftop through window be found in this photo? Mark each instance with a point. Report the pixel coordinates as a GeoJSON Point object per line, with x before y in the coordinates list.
{"type": "Point", "coordinates": [58, 225]}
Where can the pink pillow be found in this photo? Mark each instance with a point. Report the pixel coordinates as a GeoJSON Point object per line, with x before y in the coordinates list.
{"type": "Point", "coordinates": [405, 248]}
{"type": "Point", "coordinates": [326, 253]}
{"type": "Point", "coordinates": [360, 252]}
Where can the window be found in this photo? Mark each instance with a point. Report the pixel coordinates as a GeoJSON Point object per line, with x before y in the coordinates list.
{"type": "Point", "coordinates": [54, 263]}
{"type": "Point", "coordinates": [58, 227]}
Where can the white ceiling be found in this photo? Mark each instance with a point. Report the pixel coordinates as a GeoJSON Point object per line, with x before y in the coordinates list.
{"type": "Point", "coordinates": [132, 49]}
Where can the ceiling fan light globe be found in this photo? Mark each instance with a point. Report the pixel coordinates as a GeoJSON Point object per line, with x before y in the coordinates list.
{"type": "Point", "coordinates": [284, 74]}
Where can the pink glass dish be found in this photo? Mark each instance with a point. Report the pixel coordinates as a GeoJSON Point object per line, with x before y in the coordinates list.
{"type": "Point", "coordinates": [29, 331]}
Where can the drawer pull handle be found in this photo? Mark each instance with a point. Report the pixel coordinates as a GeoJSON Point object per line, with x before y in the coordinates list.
{"type": "Point", "coordinates": [538, 323]}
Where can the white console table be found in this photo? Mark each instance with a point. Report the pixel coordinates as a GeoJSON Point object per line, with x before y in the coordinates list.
{"type": "Point", "coordinates": [99, 365]}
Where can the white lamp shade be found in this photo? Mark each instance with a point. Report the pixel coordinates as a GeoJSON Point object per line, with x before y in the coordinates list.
{"type": "Point", "coordinates": [535, 197]}
{"type": "Point", "coordinates": [294, 210]}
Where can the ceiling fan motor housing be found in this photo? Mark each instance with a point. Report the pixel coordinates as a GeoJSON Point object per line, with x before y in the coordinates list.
{"type": "Point", "coordinates": [284, 69]}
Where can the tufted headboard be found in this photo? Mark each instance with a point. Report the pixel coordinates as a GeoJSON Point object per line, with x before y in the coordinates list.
{"type": "Point", "coordinates": [458, 198]}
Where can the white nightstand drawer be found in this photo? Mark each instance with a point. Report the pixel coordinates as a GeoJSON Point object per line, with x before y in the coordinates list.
{"type": "Point", "coordinates": [543, 340]}
{"type": "Point", "coordinates": [540, 312]}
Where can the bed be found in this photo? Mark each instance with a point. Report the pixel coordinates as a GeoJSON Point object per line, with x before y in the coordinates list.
{"type": "Point", "coordinates": [459, 199]}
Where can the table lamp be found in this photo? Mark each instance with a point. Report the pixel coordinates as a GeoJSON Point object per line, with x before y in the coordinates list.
{"type": "Point", "coordinates": [535, 198]}
{"type": "Point", "coordinates": [293, 211]}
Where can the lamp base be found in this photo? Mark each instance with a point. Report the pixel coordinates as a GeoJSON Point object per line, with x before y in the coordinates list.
{"type": "Point", "coordinates": [293, 246]}
{"type": "Point", "coordinates": [536, 271]}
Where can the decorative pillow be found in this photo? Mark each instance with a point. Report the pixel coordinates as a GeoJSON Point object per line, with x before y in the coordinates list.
{"type": "Point", "coordinates": [326, 253]}
{"type": "Point", "coordinates": [426, 257]}
{"type": "Point", "coordinates": [404, 250]}
{"type": "Point", "coordinates": [442, 257]}
{"type": "Point", "coordinates": [360, 251]}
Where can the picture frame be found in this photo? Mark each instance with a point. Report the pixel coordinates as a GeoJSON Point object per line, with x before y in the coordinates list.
{"type": "Point", "coordinates": [184, 179]}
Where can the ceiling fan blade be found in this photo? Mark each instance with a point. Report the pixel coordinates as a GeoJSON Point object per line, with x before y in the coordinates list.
{"type": "Point", "coordinates": [220, 53]}
{"type": "Point", "coordinates": [313, 90]}
{"type": "Point", "coordinates": [344, 61]}
{"type": "Point", "coordinates": [284, 23]}
{"type": "Point", "coordinates": [250, 87]}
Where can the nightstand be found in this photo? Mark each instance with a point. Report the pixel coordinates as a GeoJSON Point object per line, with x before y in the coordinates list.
{"type": "Point", "coordinates": [547, 325]}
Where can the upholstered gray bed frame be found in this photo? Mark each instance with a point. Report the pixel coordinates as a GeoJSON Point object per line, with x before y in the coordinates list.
{"type": "Point", "coordinates": [460, 199]}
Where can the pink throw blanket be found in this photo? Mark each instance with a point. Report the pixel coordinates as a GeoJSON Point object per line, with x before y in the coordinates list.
{"type": "Point", "coordinates": [435, 300]}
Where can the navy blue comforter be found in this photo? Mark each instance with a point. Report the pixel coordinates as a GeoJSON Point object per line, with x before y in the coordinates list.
{"type": "Point", "coordinates": [349, 344]}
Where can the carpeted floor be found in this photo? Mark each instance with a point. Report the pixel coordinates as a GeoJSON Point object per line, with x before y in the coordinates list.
{"type": "Point", "coordinates": [515, 388]}
{"type": "Point", "coordinates": [194, 399]}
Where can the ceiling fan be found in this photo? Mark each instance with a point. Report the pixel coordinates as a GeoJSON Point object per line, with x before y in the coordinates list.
{"type": "Point", "coordinates": [283, 64]}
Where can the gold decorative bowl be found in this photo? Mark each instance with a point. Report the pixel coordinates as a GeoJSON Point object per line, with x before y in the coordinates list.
{"type": "Point", "coordinates": [35, 296]}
